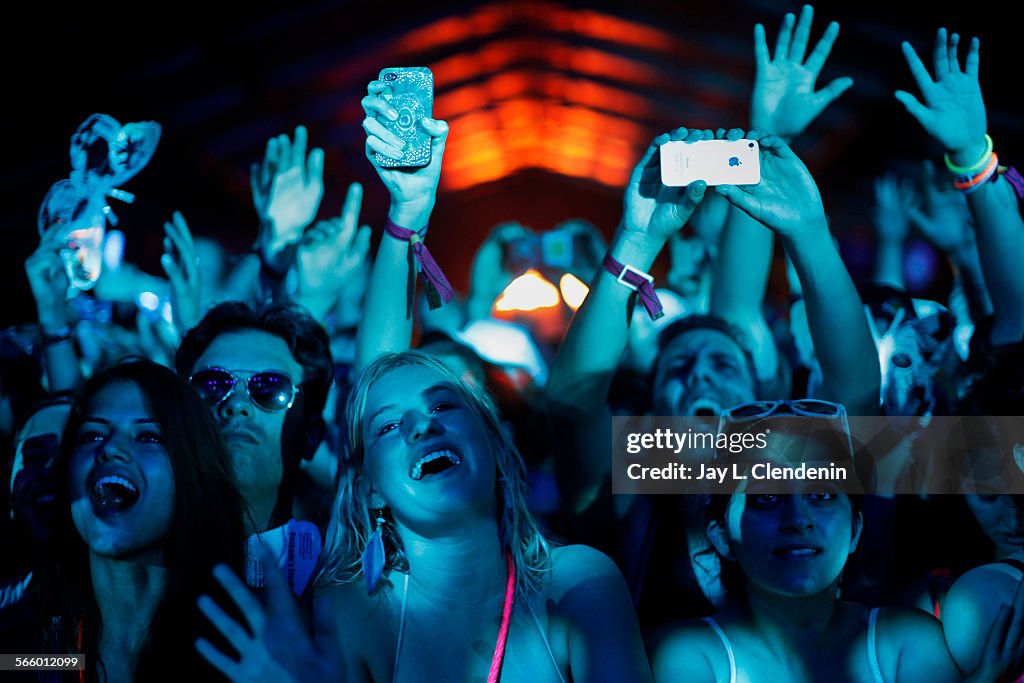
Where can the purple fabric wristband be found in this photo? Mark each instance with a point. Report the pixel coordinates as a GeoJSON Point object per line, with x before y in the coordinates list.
{"type": "Point", "coordinates": [438, 289]}
{"type": "Point", "coordinates": [1015, 179]}
{"type": "Point", "coordinates": [638, 281]}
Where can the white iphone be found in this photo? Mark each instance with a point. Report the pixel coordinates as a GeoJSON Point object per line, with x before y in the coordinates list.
{"type": "Point", "coordinates": [716, 162]}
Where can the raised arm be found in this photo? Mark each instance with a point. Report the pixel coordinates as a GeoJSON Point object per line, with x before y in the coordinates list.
{"type": "Point", "coordinates": [286, 190]}
{"type": "Point", "coordinates": [943, 218]}
{"type": "Point", "coordinates": [387, 324]}
{"type": "Point", "coordinates": [953, 112]}
{"type": "Point", "coordinates": [331, 254]}
{"type": "Point", "coordinates": [181, 265]}
{"type": "Point", "coordinates": [49, 283]}
{"type": "Point", "coordinates": [488, 275]}
{"type": "Point", "coordinates": [739, 280]}
{"type": "Point", "coordinates": [892, 226]}
{"type": "Point", "coordinates": [581, 375]}
{"type": "Point", "coordinates": [783, 103]}
{"type": "Point", "coordinates": [787, 201]}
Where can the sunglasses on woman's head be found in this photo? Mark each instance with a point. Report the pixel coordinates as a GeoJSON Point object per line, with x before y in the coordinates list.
{"type": "Point", "coordinates": [269, 390]}
{"type": "Point", "coordinates": [807, 407]}
{"type": "Point", "coordinates": [804, 407]}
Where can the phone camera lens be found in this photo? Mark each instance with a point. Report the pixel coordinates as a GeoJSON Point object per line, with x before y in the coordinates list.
{"type": "Point", "coordinates": [390, 77]}
{"type": "Point", "coordinates": [750, 145]}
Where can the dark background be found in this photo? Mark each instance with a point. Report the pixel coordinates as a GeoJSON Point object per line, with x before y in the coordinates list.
{"type": "Point", "coordinates": [222, 79]}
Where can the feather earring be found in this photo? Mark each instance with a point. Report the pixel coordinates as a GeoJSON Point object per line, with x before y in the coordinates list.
{"type": "Point", "coordinates": [373, 555]}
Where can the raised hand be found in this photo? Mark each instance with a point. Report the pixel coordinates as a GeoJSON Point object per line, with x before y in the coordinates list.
{"type": "Point", "coordinates": [181, 264]}
{"type": "Point", "coordinates": [489, 276]}
{"type": "Point", "coordinates": [158, 336]}
{"type": "Point", "coordinates": [953, 111]}
{"type": "Point", "coordinates": [273, 644]}
{"type": "Point", "coordinates": [413, 191]}
{"type": "Point", "coordinates": [784, 101]}
{"type": "Point", "coordinates": [942, 217]}
{"type": "Point", "coordinates": [287, 189]}
{"type": "Point", "coordinates": [589, 245]}
{"type": "Point", "coordinates": [48, 280]}
{"type": "Point", "coordinates": [787, 199]}
{"type": "Point", "coordinates": [893, 197]}
{"type": "Point", "coordinates": [654, 211]}
{"type": "Point", "coordinates": [332, 250]}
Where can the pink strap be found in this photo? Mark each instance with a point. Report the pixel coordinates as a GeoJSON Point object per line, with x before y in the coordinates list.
{"type": "Point", "coordinates": [638, 281]}
{"type": "Point", "coordinates": [506, 619]}
{"type": "Point", "coordinates": [438, 289]}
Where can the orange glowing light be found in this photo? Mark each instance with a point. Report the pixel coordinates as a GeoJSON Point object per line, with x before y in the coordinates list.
{"type": "Point", "coordinates": [483, 21]}
{"type": "Point", "coordinates": [493, 18]}
{"type": "Point", "coordinates": [508, 84]}
{"type": "Point", "coordinates": [520, 90]}
{"type": "Point", "coordinates": [573, 290]}
{"type": "Point", "coordinates": [528, 292]}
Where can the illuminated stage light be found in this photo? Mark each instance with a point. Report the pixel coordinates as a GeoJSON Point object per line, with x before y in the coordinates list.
{"type": "Point", "coordinates": [528, 292]}
{"type": "Point", "coordinates": [573, 290]}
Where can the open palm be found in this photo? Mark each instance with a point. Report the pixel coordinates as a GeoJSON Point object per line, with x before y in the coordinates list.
{"type": "Point", "coordinates": [784, 101]}
{"type": "Point", "coordinates": [953, 111]}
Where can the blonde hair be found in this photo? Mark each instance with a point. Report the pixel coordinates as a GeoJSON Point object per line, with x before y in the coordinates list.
{"type": "Point", "coordinates": [353, 522]}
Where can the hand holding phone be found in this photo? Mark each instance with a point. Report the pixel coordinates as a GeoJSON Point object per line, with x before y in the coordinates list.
{"type": "Point", "coordinates": [716, 162]}
{"type": "Point", "coordinates": [411, 93]}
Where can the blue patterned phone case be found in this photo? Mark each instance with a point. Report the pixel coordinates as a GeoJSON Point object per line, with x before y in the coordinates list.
{"type": "Point", "coordinates": [411, 92]}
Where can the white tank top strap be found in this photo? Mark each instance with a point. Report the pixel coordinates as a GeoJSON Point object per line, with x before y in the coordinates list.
{"type": "Point", "coordinates": [401, 627]}
{"type": "Point", "coordinates": [544, 638]}
{"type": "Point", "coordinates": [710, 621]}
{"type": "Point", "coordinates": [876, 670]}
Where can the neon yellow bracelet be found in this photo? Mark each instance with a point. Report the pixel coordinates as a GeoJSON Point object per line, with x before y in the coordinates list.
{"type": "Point", "coordinates": [977, 166]}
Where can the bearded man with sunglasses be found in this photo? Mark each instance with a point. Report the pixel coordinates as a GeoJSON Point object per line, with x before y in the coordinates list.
{"type": "Point", "coordinates": [265, 373]}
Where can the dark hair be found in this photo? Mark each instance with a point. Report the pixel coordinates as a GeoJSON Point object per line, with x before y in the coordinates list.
{"type": "Point", "coordinates": [704, 322]}
{"type": "Point", "coordinates": [20, 376]}
{"type": "Point", "coordinates": [306, 339]}
{"type": "Point", "coordinates": [822, 431]}
{"type": "Point", "coordinates": [207, 529]}
{"type": "Point", "coordinates": [732, 576]}
{"type": "Point", "coordinates": [19, 426]}
{"type": "Point", "coordinates": [14, 532]}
